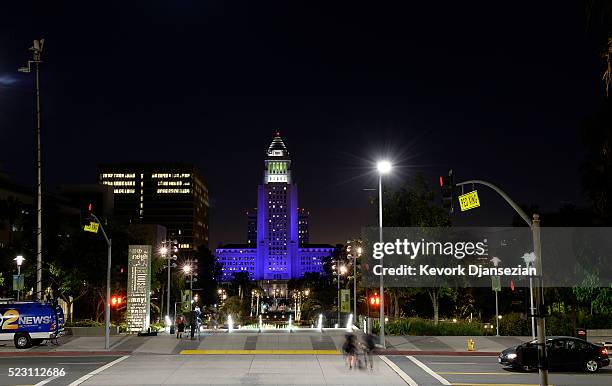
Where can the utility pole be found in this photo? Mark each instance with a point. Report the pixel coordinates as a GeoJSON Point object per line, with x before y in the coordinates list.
{"type": "Point", "coordinates": [36, 49]}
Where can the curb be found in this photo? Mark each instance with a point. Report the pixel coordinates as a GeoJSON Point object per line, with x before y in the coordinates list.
{"type": "Point", "coordinates": [62, 353]}
{"type": "Point", "coordinates": [449, 353]}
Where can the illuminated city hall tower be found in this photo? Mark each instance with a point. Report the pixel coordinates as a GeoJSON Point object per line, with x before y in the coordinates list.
{"type": "Point", "coordinates": [277, 217]}
{"type": "Point", "coordinates": [278, 244]}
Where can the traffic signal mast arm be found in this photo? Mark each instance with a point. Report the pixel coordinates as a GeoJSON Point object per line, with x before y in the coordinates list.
{"type": "Point", "coordinates": [535, 228]}
{"type": "Point", "coordinates": [513, 204]}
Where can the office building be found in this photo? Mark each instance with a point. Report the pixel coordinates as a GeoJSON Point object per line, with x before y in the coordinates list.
{"type": "Point", "coordinates": [172, 195]}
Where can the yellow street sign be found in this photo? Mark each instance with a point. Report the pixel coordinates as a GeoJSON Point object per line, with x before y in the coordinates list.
{"type": "Point", "coordinates": [469, 201]}
{"type": "Point", "coordinates": [92, 227]}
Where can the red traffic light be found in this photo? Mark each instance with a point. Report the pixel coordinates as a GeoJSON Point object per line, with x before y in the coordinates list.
{"type": "Point", "coordinates": [441, 181]}
{"type": "Point", "coordinates": [374, 300]}
{"type": "Point", "coordinates": [90, 207]}
{"type": "Point", "coordinates": [116, 300]}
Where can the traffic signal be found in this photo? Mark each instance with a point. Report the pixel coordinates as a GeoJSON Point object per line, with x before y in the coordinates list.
{"type": "Point", "coordinates": [116, 300]}
{"type": "Point", "coordinates": [374, 300]}
{"type": "Point", "coordinates": [87, 208]}
{"type": "Point", "coordinates": [448, 189]}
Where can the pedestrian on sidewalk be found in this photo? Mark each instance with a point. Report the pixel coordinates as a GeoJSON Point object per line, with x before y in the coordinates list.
{"type": "Point", "coordinates": [193, 323]}
{"type": "Point", "coordinates": [349, 348]}
{"type": "Point", "coordinates": [368, 346]}
{"type": "Point", "coordinates": [180, 324]}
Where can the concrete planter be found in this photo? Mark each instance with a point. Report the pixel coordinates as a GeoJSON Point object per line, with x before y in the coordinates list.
{"type": "Point", "coordinates": [91, 331]}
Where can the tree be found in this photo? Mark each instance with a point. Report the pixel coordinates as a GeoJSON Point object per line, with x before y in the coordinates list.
{"type": "Point", "coordinates": [599, 24]}
{"type": "Point", "coordinates": [209, 272]}
{"type": "Point", "coordinates": [241, 283]}
{"type": "Point", "coordinates": [11, 216]}
{"type": "Point", "coordinates": [413, 206]}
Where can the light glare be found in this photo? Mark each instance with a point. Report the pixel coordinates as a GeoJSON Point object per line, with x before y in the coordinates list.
{"type": "Point", "coordinates": [383, 167]}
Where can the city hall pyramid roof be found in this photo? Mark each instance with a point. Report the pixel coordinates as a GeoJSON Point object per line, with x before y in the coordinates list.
{"type": "Point", "coordinates": [277, 148]}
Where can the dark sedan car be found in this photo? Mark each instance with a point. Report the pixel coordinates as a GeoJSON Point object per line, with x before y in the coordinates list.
{"type": "Point", "coordinates": [563, 353]}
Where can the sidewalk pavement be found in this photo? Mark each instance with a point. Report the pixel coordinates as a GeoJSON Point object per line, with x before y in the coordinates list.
{"type": "Point", "coordinates": [328, 370]}
{"type": "Point", "coordinates": [311, 342]}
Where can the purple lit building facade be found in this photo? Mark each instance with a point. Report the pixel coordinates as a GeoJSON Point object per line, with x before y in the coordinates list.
{"type": "Point", "coordinates": [277, 245]}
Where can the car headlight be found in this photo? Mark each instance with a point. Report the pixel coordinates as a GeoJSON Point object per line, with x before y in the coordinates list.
{"type": "Point", "coordinates": [511, 356]}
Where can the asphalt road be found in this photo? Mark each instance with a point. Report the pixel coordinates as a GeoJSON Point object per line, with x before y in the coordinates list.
{"type": "Point", "coordinates": [74, 366]}
{"type": "Point", "coordinates": [472, 370]}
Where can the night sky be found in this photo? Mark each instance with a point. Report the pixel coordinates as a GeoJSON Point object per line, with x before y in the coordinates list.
{"type": "Point", "coordinates": [497, 91]}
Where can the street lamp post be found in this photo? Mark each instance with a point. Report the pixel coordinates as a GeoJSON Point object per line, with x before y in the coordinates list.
{"type": "Point", "coordinates": [36, 49]}
{"type": "Point", "coordinates": [19, 260]}
{"type": "Point", "coordinates": [383, 167]}
{"type": "Point", "coordinates": [189, 271]}
{"type": "Point", "coordinates": [167, 251]}
{"type": "Point", "coordinates": [339, 270]}
{"type": "Point", "coordinates": [355, 281]}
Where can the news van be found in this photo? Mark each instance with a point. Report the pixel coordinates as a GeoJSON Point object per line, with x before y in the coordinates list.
{"type": "Point", "coordinates": [30, 323]}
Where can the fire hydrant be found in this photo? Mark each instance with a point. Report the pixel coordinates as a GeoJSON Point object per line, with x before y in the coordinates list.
{"type": "Point", "coordinates": [470, 345]}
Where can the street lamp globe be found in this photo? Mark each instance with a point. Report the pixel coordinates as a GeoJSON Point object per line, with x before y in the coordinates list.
{"type": "Point", "coordinates": [163, 251]}
{"type": "Point", "coordinates": [383, 167]}
{"type": "Point", "coordinates": [187, 269]}
{"type": "Point", "coordinates": [342, 269]}
{"type": "Point", "coordinates": [19, 259]}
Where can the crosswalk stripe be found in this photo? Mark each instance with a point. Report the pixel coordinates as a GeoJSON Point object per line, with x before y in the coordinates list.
{"type": "Point", "coordinates": [399, 371]}
{"type": "Point", "coordinates": [428, 370]}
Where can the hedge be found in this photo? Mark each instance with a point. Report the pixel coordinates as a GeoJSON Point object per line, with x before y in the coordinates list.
{"type": "Point", "coordinates": [417, 326]}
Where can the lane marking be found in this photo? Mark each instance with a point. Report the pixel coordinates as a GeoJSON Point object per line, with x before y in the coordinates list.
{"type": "Point", "coordinates": [483, 373]}
{"type": "Point", "coordinates": [81, 363]}
{"type": "Point", "coordinates": [98, 370]}
{"type": "Point", "coordinates": [260, 352]}
{"type": "Point", "coordinates": [428, 370]}
{"type": "Point", "coordinates": [399, 371]}
{"type": "Point", "coordinates": [452, 363]}
{"type": "Point", "coordinates": [45, 381]}
{"type": "Point", "coordinates": [497, 384]}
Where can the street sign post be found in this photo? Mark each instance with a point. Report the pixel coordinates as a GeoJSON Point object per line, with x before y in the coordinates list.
{"type": "Point", "coordinates": [469, 201]}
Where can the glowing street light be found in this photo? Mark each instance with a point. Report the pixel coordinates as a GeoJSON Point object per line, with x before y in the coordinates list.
{"type": "Point", "coordinates": [19, 260]}
{"type": "Point", "coordinates": [383, 167]}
